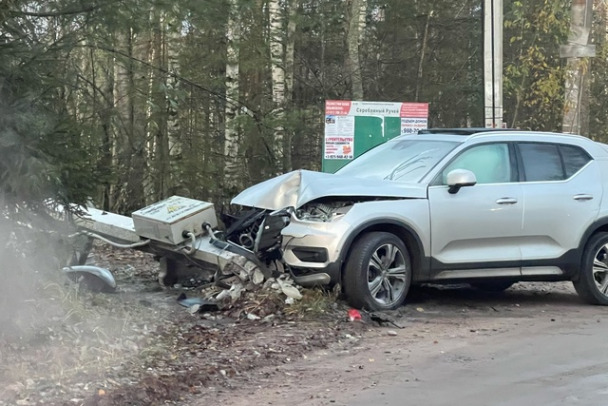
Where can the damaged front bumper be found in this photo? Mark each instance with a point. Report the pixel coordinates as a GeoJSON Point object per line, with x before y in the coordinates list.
{"type": "Point", "coordinates": [311, 250]}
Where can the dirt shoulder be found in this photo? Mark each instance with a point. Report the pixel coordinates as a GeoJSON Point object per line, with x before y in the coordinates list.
{"type": "Point", "coordinates": [138, 346]}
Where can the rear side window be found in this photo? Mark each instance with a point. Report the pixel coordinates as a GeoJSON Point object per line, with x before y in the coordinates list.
{"type": "Point", "coordinates": [551, 162]}
{"type": "Point", "coordinates": [574, 159]}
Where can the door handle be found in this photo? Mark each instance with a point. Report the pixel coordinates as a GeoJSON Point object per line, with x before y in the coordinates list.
{"type": "Point", "coordinates": [506, 200]}
{"type": "Point", "coordinates": [582, 197]}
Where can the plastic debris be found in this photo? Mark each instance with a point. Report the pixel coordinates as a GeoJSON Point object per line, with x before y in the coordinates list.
{"type": "Point", "coordinates": [258, 277]}
{"type": "Point", "coordinates": [197, 304]}
{"type": "Point", "coordinates": [354, 315]}
{"type": "Point", "coordinates": [289, 290]}
{"type": "Point", "coordinates": [383, 319]}
{"type": "Point", "coordinates": [93, 278]}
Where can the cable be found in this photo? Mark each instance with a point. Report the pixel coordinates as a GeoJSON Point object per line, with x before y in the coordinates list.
{"type": "Point", "coordinates": [115, 244]}
{"type": "Point", "coordinates": [190, 250]}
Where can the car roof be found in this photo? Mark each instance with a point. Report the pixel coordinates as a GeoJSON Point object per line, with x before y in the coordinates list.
{"type": "Point", "coordinates": [463, 131]}
{"type": "Point", "coordinates": [504, 134]}
{"type": "Point", "coordinates": [477, 134]}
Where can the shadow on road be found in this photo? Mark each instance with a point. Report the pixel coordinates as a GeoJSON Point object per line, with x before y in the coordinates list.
{"type": "Point", "coordinates": [520, 297]}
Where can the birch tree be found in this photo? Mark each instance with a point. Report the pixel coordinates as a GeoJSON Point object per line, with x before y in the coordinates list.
{"type": "Point", "coordinates": [293, 6]}
{"type": "Point", "coordinates": [232, 166]}
{"type": "Point", "coordinates": [277, 54]}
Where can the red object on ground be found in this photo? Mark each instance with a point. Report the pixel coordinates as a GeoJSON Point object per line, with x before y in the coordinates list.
{"type": "Point", "coordinates": [354, 315]}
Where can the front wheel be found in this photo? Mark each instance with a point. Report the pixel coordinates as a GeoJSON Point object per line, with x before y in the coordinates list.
{"type": "Point", "coordinates": [592, 281]}
{"type": "Point", "coordinates": [378, 272]}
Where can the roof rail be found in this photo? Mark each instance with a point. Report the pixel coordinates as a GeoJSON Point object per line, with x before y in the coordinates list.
{"type": "Point", "coordinates": [462, 131]}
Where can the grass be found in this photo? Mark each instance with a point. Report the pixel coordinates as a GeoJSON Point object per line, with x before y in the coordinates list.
{"type": "Point", "coordinates": [314, 303]}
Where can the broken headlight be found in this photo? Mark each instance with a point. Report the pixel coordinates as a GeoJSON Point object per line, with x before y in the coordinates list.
{"type": "Point", "coordinates": [325, 212]}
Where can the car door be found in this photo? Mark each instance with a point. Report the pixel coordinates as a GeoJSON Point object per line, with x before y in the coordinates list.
{"type": "Point", "coordinates": [477, 230]}
{"type": "Point", "coordinates": [562, 189]}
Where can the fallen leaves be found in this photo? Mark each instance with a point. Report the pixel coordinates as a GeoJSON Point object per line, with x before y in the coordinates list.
{"type": "Point", "coordinates": [138, 346]}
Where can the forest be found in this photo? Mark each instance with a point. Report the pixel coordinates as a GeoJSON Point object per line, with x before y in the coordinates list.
{"type": "Point", "coordinates": [124, 103]}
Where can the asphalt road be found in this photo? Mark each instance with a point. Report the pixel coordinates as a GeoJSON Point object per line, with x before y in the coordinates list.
{"type": "Point", "coordinates": [534, 345]}
{"type": "Point", "coordinates": [532, 364]}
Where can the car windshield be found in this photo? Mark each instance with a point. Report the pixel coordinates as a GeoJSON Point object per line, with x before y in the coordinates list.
{"type": "Point", "coordinates": [403, 160]}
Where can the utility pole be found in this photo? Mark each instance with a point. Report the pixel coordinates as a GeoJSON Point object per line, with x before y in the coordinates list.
{"type": "Point", "coordinates": [577, 50]}
{"type": "Point", "coordinates": [492, 62]}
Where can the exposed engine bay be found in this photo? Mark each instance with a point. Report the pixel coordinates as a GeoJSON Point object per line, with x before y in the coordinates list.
{"type": "Point", "coordinates": [258, 231]}
{"type": "Point", "coordinates": [324, 210]}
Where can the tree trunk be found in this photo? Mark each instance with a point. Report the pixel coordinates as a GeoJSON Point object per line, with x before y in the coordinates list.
{"type": "Point", "coordinates": [174, 132]}
{"type": "Point", "coordinates": [289, 74]}
{"type": "Point", "coordinates": [576, 116]}
{"type": "Point", "coordinates": [278, 81]}
{"type": "Point", "coordinates": [353, 64]}
{"type": "Point", "coordinates": [129, 194]}
{"type": "Point", "coordinates": [137, 158]}
{"type": "Point", "coordinates": [156, 133]}
{"type": "Point", "coordinates": [425, 37]}
{"type": "Point", "coordinates": [232, 165]}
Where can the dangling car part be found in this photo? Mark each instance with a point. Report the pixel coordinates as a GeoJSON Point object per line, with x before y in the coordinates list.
{"type": "Point", "coordinates": [92, 277]}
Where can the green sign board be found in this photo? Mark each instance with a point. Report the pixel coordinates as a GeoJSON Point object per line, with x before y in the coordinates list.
{"type": "Point", "coordinates": [354, 127]}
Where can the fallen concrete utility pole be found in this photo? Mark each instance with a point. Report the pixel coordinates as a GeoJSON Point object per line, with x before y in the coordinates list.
{"type": "Point", "coordinates": [182, 231]}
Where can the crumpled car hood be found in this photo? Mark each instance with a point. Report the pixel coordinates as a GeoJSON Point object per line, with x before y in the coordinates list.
{"type": "Point", "coordinates": [295, 189]}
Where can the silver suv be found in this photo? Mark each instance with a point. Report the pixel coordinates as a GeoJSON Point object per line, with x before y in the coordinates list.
{"type": "Point", "coordinates": [484, 207]}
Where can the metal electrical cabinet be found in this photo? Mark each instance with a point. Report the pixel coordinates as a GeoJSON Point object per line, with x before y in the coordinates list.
{"type": "Point", "coordinates": [172, 219]}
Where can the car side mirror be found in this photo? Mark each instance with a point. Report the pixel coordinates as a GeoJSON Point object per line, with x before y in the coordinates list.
{"type": "Point", "coordinates": [459, 178]}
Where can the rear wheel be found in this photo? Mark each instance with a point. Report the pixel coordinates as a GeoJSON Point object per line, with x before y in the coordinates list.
{"type": "Point", "coordinates": [378, 272]}
{"type": "Point", "coordinates": [592, 282]}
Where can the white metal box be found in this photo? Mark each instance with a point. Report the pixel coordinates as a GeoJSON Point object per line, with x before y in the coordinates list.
{"type": "Point", "coordinates": [168, 220]}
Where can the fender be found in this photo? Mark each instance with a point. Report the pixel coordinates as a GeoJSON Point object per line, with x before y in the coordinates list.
{"type": "Point", "coordinates": [420, 261]}
{"type": "Point", "coordinates": [598, 225]}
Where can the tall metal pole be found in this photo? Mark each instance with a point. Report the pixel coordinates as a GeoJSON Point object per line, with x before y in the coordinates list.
{"type": "Point", "coordinates": [492, 62]}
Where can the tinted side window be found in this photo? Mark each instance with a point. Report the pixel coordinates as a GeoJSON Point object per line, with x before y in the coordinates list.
{"type": "Point", "coordinates": [541, 162]}
{"type": "Point", "coordinates": [574, 159]}
{"type": "Point", "coordinates": [489, 162]}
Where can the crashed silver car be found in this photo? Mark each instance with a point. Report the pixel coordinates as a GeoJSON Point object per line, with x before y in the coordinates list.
{"type": "Point", "coordinates": [484, 207]}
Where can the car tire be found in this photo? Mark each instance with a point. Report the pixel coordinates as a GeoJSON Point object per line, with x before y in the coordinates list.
{"type": "Point", "coordinates": [592, 281]}
{"type": "Point", "coordinates": [497, 286]}
{"type": "Point", "coordinates": [378, 272]}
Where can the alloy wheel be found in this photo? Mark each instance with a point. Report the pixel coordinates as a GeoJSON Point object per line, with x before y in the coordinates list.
{"type": "Point", "coordinates": [387, 274]}
{"type": "Point", "coordinates": [600, 269]}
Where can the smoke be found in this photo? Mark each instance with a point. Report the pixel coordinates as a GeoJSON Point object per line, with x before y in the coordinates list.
{"type": "Point", "coordinates": [30, 239]}
{"type": "Point", "coordinates": [31, 253]}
